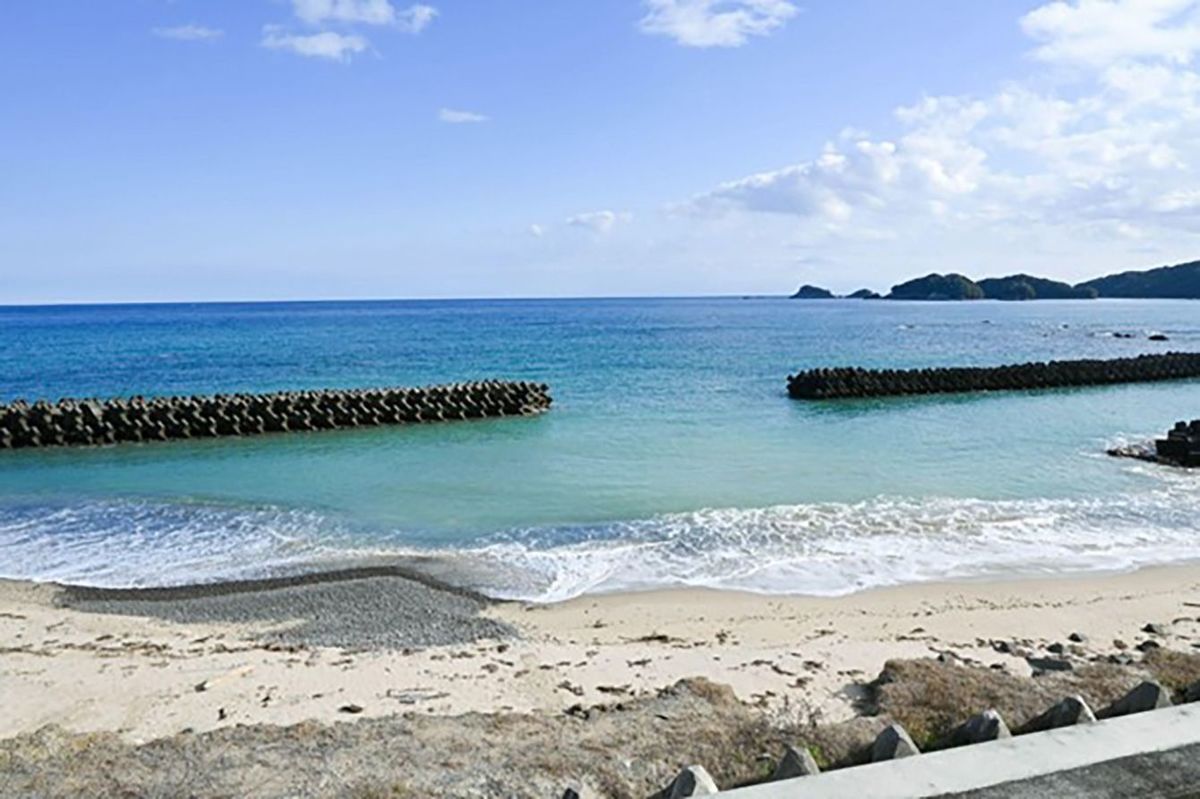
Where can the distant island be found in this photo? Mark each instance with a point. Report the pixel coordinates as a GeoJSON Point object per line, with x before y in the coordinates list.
{"type": "Point", "coordinates": [1181, 281]}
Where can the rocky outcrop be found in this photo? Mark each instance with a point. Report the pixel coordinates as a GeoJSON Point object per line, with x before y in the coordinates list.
{"type": "Point", "coordinates": [841, 383]}
{"type": "Point", "coordinates": [1028, 287]}
{"type": "Point", "coordinates": [90, 422]}
{"type": "Point", "coordinates": [812, 293]}
{"type": "Point", "coordinates": [1181, 447]}
{"type": "Point", "coordinates": [937, 287]}
{"type": "Point", "coordinates": [1181, 281]}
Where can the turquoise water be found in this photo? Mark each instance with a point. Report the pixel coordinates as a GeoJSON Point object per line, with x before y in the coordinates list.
{"type": "Point", "coordinates": [672, 455]}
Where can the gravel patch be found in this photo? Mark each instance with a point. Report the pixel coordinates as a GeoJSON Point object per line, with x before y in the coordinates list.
{"type": "Point", "coordinates": [369, 608]}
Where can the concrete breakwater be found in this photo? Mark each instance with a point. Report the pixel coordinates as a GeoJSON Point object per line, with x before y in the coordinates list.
{"type": "Point", "coordinates": [88, 422]}
{"type": "Point", "coordinates": [843, 383]}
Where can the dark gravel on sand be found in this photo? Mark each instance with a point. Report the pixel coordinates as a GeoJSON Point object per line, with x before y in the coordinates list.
{"type": "Point", "coordinates": [371, 608]}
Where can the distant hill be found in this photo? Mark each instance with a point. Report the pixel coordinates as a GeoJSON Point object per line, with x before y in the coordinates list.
{"type": "Point", "coordinates": [1028, 287]}
{"type": "Point", "coordinates": [1181, 281]}
{"type": "Point", "coordinates": [937, 287]}
{"type": "Point", "coordinates": [812, 293]}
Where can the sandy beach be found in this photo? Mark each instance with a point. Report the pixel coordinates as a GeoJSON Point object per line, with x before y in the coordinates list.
{"type": "Point", "coordinates": [357, 645]}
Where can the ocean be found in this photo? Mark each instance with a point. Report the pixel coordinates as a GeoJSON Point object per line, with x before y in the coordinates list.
{"type": "Point", "coordinates": [672, 456]}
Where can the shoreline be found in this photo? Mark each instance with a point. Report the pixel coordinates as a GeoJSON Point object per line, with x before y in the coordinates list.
{"type": "Point", "coordinates": [417, 569]}
{"type": "Point", "coordinates": [355, 644]}
{"type": "Point", "coordinates": [410, 569]}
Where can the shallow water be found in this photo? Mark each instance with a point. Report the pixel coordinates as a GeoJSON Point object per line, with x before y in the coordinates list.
{"type": "Point", "coordinates": [672, 455]}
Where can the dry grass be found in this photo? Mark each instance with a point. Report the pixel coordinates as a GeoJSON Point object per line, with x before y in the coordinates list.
{"type": "Point", "coordinates": [392, 791]}
{"type": "Point", "coordinates": [1175, 670]}
{"type": "Point", "coordinates": [624, 750]}
{"type": "Point", "coordinates": [930, 698]}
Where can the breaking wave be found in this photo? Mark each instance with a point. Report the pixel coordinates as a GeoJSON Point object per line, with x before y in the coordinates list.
{"type": "Point", "coordinates": [818, 549]}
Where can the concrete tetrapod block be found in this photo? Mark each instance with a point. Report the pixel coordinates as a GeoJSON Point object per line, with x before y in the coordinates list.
{"type": "Point", "coordinates": [1148, 695]}
{"type": "Point", "coordinates": [986, 726]}
{"type": "Point", "coordinates": [892, 743]}
{"type": "Point", "coordinates": [795, 763]}
{"type": "Point", "coordinates": [692, 781]}
{"type": "Point", "coordinates": [577, 792]}
{"type": "Point", "coordinates": [1072, 710]}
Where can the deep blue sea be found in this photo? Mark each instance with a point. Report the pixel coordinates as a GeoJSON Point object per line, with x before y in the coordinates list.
{"type": "Point", "coordinates": [672, 455]}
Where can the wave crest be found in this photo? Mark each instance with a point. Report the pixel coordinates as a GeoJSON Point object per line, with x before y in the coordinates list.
{"type": "Point", "coordinates": [819, 549]}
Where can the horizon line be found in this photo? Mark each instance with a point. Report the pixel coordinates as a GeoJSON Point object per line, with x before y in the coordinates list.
{"type": "Point", "coordinates": [314, 301]}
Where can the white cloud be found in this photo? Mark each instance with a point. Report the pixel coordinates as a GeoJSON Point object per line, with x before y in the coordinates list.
{"type": "Point", "coordinates": [189, 33]}
{"type": "Point", "coordinates": [1117, 149]}
{"type": "Point", "coordinates": [537, 231]}
{"type": "Point", "coordinates": [1180, 200]}
{"type": "Point", "coordinates": [413, 19]}
{"type": "Point", "coordinates": [460, 117]}
{"type": "Point", "coordinates": [715, 23]}
{"type": "Point", "coordinates": [599, 221]}
{"type": "Point", "coordinates": [1101, 31]}
{"type": "Point", "coordinates": [327, 44]}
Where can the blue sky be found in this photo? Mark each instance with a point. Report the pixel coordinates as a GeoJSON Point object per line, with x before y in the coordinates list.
{"type": "Point", "coordinates": [263, 149]}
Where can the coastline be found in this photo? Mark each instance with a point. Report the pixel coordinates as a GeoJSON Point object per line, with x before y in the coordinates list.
{"type": "Point", "coordinates": [200, 658]}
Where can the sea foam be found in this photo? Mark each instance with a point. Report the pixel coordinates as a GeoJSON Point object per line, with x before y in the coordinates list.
{"type": "Point", "coordinates": [818, 549]}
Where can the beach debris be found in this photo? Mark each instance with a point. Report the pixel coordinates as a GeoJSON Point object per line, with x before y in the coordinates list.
{"type": "Point", "coordinates": [1156, 629]}
{"type": "Point", "coordinates": [415, 695]}
{"type": "Point", "coordinates": [1147, 645]}
{"type": "Point", "coordinates": [1192, 692]}
{"type": "Point", "coordinates": [1078, 638]}
{"type": "Point", "coordinates": [692, 781]}
{"type": "Point", "coordinates": [796, 762]}
{"type": "Point", "coordinates": [351, 708]}
{"type": "Point", "coordinates": [570, 687]}
{"type": "Point", "coordinates": [1043, 665]}
{"type": "Point", "coordinates": [986, 726]}
{"type": "Point", "coordinates": [1071, 710]}
{"type": "Point", "coordinates": [200, 687]}
{"type": "Point", "coordinates": [1148, 695]}
{"type": "Point", "coordinates": [614, 689]}
{"type": "Point", "coordinates": [892, 743]}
